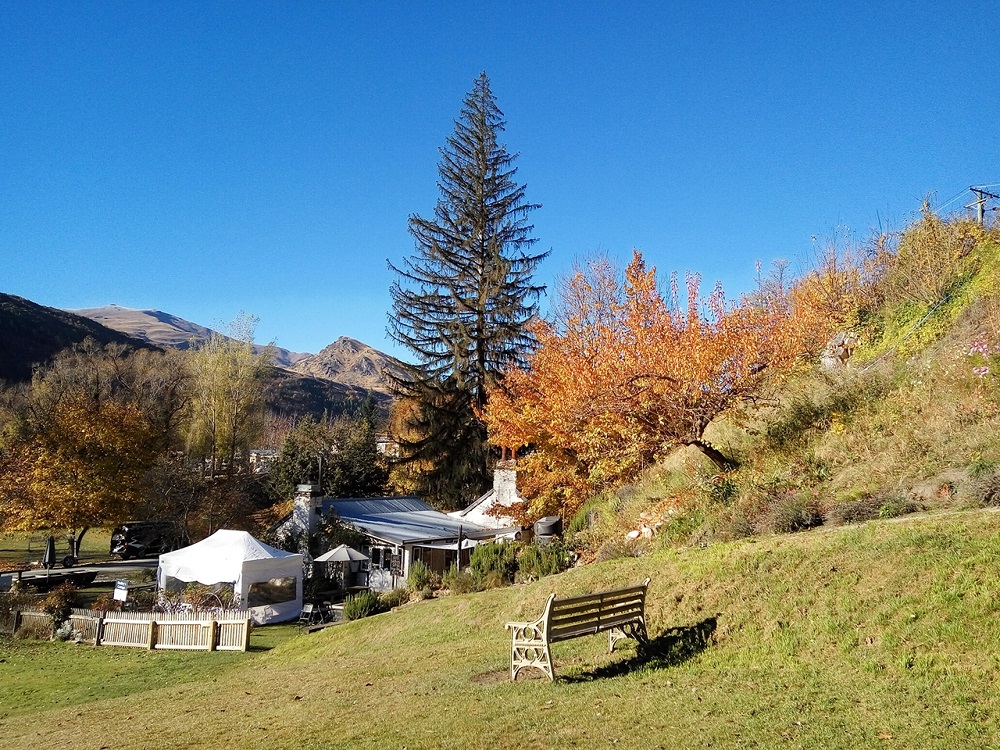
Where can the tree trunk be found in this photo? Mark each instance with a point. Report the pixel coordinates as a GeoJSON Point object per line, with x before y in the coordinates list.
{"type": "Point", "coordinates": [713, 454]}
{"type": "Point", "coordinates": [76, 540]}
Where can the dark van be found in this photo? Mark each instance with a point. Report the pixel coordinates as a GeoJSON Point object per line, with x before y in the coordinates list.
{"type": "Point", "coordinates": [145, 538]}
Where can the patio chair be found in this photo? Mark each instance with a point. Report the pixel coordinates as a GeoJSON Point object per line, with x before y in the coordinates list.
{"type": "Point", "coordinates": [308, 613]}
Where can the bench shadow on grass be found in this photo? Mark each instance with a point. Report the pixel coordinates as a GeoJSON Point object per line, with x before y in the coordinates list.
{"type": "Point", "coordinates": [669, 649]}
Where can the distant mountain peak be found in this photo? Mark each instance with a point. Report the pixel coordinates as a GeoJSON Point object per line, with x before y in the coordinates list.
{"type": "Point", "coordinates": [353, 363]}
{"type": "Point", "coordinates": [167, 330]}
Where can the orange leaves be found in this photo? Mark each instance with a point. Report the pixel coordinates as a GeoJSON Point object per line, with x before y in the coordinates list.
{"type": "Point", "coordinates": [622, 375]}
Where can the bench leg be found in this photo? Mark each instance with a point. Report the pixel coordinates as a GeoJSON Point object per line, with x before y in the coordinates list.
{"type": "Point", "coordinates": [535, 655]}
{"type": "Point", "coordinates": [634, 630]}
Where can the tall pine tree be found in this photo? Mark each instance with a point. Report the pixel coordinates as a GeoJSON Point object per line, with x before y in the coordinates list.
{"type": "Point", "coordinates": [461, 303]}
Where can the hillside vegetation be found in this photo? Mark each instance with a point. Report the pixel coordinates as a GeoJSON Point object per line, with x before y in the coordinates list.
{"type": "Point", "coordinates": [910, 422]}
{"type": "Point", "coordinates": [881, 635]}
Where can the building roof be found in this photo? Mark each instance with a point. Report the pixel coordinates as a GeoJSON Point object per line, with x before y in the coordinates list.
{"type": "Point", "coordinates": [401, 520]}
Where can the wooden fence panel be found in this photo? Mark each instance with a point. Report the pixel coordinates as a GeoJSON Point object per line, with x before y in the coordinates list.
{"type": "Point", "coordinates": [205, 631]}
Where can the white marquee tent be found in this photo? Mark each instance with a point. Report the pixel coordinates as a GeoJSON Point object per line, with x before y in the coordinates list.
{"type": "Point", "coordinates": [267, 580]}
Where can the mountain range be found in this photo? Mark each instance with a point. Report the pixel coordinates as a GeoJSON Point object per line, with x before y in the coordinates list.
{"type": "Point", "coordinates": [345, 361]}
{"type": "Point", "coordinates": [343, 373]}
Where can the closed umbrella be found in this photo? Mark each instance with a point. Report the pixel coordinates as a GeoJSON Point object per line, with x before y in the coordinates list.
{"type": "Point", "coordinates": [49, 558]}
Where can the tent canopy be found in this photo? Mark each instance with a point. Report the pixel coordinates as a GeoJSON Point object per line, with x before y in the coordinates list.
{"type": "Point", "coordinates": [267, 580]}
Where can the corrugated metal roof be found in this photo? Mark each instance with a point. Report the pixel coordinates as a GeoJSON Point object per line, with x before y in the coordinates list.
{"type": "Point", "coordinates": [401, 520]}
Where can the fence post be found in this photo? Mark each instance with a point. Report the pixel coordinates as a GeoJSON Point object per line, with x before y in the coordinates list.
{"type": "Point", "coordinates": [99, 630]}
{"type": "Point", "coordinates": [152, 633]}
{"type": "Point", "coordinates": [17, 621]}
{"type": "Point", "coordinates": [246, 635]}
{"type": "Point", "coordinates": [213, 635]}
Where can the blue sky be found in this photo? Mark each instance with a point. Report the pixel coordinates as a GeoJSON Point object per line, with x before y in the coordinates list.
{"type": "Point", "coordinates": [208, 158]}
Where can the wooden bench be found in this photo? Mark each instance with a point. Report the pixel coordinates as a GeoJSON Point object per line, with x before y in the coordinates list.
{"type": "Point", "coordinates": [622, 613]}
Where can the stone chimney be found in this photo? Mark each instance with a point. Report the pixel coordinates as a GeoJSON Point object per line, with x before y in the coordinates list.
{"type": "Point", "coordinates": [305, 513]}
{"type": "Point", "coordinates": [505, 483]}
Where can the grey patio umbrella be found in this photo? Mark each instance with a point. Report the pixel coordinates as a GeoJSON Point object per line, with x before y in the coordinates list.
{"type": "Point", "coordinates": [342, 553]}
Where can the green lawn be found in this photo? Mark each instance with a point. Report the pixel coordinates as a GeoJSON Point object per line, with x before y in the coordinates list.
{"type": "Point", "coordinates": [24, 548]}
{"type": "Point", "coordinates": [876, 636]}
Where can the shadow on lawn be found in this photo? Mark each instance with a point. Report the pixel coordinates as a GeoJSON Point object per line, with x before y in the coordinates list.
{"type": "Point", "coordinates": [669, 649]}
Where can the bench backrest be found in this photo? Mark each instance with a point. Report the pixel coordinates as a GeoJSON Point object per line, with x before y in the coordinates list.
{"type": "Point", "coordinates": [594, 613]}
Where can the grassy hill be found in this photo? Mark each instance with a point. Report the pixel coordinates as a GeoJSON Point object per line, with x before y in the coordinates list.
{"type": "Point", "coordinates": [878, 635]}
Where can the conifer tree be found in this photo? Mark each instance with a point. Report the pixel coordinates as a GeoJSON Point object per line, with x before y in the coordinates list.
{"type": "Point", "coordinates": [462, 302]}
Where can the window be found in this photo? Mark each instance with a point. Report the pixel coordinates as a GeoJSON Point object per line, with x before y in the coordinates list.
{"type": "Point", "coordinates": [274, 591]}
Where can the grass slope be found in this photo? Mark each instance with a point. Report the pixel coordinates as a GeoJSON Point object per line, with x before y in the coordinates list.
{"type": "Point", "coordinates": [880, 635]}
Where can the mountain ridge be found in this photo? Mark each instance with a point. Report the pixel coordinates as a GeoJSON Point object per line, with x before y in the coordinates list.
{"type": "Point", "coordinates": [346, 362]}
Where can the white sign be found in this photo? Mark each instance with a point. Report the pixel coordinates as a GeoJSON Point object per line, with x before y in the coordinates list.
{"type": "Point", "coordinates": [121, 590]}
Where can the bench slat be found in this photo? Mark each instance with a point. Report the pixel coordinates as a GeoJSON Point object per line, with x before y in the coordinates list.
{"type": "Point", "coordinates": [596, 615]}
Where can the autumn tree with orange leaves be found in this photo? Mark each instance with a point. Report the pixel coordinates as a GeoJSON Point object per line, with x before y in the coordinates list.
{"type": "Point", "coordinates": [622, 375]}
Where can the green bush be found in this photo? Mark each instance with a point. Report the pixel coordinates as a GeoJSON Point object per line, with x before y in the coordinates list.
{"type": "Point", "coordinates": [395, 598]}
{"type": "Point", "coordinates": [539, 560]}
{"type": "Point", "coordinates": [365, 604]}
{"type": "Point", "coordinates": [419, 577]}
{"type": "Point", "coordinates": [495, 561]}
{"type": "Point", "coordinates": [461, 581]}
{"type": "Point", "coordinates": [895, 506]}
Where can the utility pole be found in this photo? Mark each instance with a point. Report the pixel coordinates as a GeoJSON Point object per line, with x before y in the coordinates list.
{"type": "Point", "coordinates": [980, 203]}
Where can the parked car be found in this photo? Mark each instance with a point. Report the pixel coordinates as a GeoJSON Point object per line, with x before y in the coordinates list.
{"type": "Point", "coordinates": [146, 539]}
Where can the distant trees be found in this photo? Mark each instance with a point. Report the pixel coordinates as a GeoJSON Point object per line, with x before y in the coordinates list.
{"type": "Point", "coordinates": [622, 374]}
{"type": "Point", "coordinates": [340, 455]}
{"type": "Point", "coordinates": [461, 304]}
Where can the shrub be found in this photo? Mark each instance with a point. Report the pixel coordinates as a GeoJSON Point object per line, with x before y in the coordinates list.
{"type": "Point", "coordinates": [143, 599]}
{"type": "Point", "coordinates": [589, 512]}
{"type": "Point", "coordinates": [395, 598]}
{"type": "Point", "coordinates": [202, 596]}
{"type": "Point", "coordinates": [66, 632]}
{"type": "Point", "coordinates": [365, 604]}
{"type": "Point", "coordinates": [106, 603]}
{"type": "Point", "coordinates": [14, 601]}
{"type": "Point", "coordinates": [855, 511]}
{"type": "Point", "coordinates": [538, 560]}
{"type": "Point", "coordinates": [895, 506]}
{"type": "Point", "coordinates": [461, 581]}
{"type": "Point", "coordinates": [983, 488]}
{"type": "Point", "coordinates": [738, 521]}
{"type": "Point", "coordinates": [496, 562]}
{"type": "Point", "coordinates": [419, 577]}
{"type": "Point", "coordinates": [791, 512]}
{"type": "Point", "coordinates": [59, 603]}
